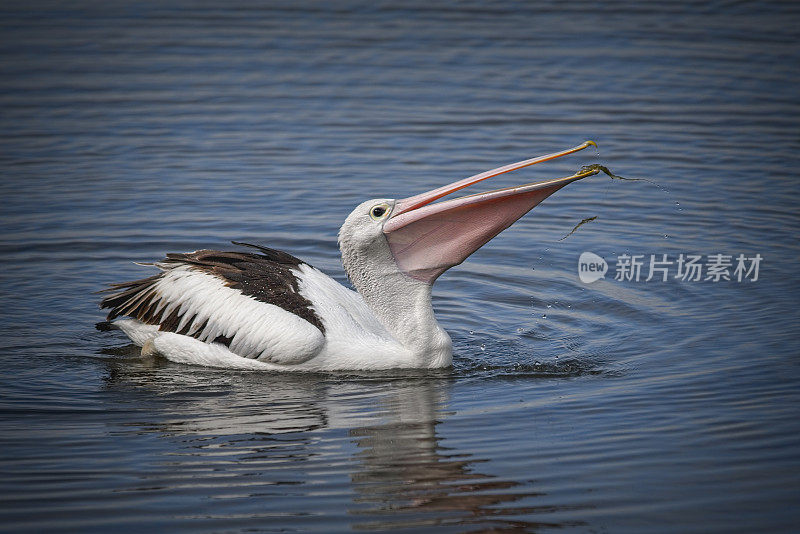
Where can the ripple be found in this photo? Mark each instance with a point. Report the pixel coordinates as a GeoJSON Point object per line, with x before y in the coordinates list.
{"type": "Point", "coordinates": [613, 406]}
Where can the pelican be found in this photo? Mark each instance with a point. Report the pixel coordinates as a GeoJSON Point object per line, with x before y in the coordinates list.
{"type": "Point", "coordinates": [266, 309]}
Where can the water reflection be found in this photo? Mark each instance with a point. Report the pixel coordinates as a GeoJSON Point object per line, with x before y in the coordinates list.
{"type": "Point", "coordinates": [408, 478]}
{"type": "Point", "coordinates": [245, 436]}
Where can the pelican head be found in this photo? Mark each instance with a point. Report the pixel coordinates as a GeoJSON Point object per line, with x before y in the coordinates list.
{"type": "Point", "coordinates": [423, 238]}
{"type": "Point", "coordinates": [394, 250]}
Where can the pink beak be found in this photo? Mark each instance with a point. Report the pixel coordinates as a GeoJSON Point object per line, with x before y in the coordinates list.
{"type": "Point", "coordinates": [427, 239]}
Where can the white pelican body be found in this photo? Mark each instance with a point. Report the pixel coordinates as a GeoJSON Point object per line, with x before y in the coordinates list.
{"type": "Point", "coordinates": [265, 336]}
{"type": "Point", "coordinates": [269, 310]}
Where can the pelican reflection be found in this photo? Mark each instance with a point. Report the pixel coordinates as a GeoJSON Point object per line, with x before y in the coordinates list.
{"type": "Point", "coordinates": [258, 435]}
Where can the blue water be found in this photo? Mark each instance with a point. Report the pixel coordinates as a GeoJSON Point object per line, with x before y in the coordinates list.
{"type": "Point", "coordinates": [130, 131]}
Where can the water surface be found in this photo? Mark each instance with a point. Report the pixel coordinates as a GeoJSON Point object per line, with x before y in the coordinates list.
{"type": "Point", "coordinates": [619, 406]}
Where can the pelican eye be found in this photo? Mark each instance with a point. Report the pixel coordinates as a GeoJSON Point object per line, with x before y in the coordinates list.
{"type": "Point", "coordinates": [377, 212]}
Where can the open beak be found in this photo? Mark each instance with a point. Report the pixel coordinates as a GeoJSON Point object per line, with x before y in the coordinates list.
{"type": "Point", "coordinates": [426, 239]}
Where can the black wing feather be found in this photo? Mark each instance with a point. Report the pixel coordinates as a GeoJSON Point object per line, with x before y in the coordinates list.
{"type": "Point", "coordinates": [268, 276]}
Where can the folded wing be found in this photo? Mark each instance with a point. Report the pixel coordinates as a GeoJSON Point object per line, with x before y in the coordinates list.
{"type": "Point", "coordinates": [247, 301]}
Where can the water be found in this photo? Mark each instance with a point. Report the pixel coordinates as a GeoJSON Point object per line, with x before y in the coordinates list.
{"type": "Point", "coordinates": [619, 406]}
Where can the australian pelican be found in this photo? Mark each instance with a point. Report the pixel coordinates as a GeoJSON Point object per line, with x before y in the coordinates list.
{"type": "Point", "coordinates": [266, 309]}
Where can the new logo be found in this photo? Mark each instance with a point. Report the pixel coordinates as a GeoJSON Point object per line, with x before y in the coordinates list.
{"type": "Point", "coordinates": [591, 267]}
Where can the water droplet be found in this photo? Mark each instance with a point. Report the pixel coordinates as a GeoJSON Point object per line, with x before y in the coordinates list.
{"type": "Point", "coordinates": [520, 330]}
